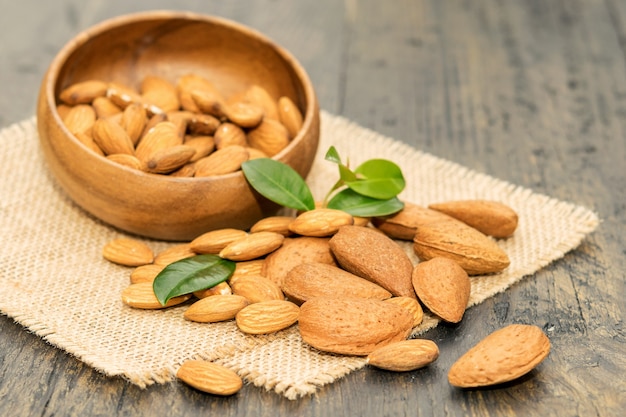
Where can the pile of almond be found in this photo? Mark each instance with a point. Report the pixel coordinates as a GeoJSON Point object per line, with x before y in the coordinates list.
{"type": "Point", "coordinates": [184, 129]}
{"type": "Point", "coordinates": [349, 286]}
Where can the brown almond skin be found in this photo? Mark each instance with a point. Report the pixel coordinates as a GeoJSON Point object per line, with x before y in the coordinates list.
{"type": "Point", "coordinates": [443, 286]}
{"type": "Point", "coordinates": [127, 252]}
{"type": "Point", "coordinates": [252, 246]}
{"type": "Point", "coordinates": [475, 252]}
{"type": "Point", "coordinates": [209, 377]}
{"type": "Point", "coordinates": [351, 325]}
{"type": "Point", "coordinates": [404, 224]}
{"type": "Point", "coordinates": [320, 222]}
{"type": "Point", "coordinates": [80, 119]}
{"type": "Point", "coordinates": [256, 289]}
{"type": "Point", "coordinates": [83, 92]}
{"type": "Point", "coordinates": [216, 240]}
{"type": "Point", "coordinates": [412, 306]}
{"type": "Point", "coordinates": [502, 356]}
{"type": "Point", "coordinates": [489, 217]}
{"type": "Point", "coordinates": [403, 356]}
{"type": "Point", "coordinates": [294, 252]}
{"type": "Point", "coordinates": [374, 256]}
{"type": "Point", "coordinates": [290, 116]}
{"type": "Point", "coordinates": [215, 308]}
{"type": "Point", "coordinates": [314, 279]}
{"type": "Point", "coordinates": [270, 136]}
{"type": "Point", "coordinates": [267, 316]}
{"type": "Point", "coordinates": [173, 254]}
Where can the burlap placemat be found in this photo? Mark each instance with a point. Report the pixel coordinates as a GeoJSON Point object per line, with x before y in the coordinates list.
{"type": "Point", "coordinates": [54, 281]}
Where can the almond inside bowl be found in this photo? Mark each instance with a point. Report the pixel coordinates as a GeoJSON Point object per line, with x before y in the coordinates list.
{"type": "Point", "coordinates": [127, 49]}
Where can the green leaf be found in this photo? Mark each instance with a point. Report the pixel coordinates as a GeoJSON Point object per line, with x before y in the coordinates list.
{"type": "Point", "coordinates": [332, 155]}
{"type": "Point", "coordinates": [191, 274]}
{"type": "Point", "coordinates": [346, 174]}
{"type": "Point", "coordinates": [359, 205]}
{"type": "Point", "coordinates": [279, 183]}
{"type": "Point", "coordinates": [379, 178]}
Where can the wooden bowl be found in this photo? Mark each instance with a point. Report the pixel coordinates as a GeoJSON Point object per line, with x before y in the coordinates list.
{"type": "Point", "coordinates": [170, 44]}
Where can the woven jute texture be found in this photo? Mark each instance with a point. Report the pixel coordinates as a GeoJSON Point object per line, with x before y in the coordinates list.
{"type": "Point", "coordinates": [54, 281]}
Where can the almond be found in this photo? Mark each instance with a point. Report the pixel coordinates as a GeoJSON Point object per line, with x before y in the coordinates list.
{"type": "Point", "coordinates": [252, 246]}
{"type": "Point", "coordinates": [188, 83]}
{"type": "Point", "coordinates": [134, 120]}
{"type": "Point", "coordinates": [153, 120]}
{"type": "Point", "coordinates": [169, 159]}
{"type": "Point", "coordinates": [228, 134]}
{"type": "Point", "coordinates": [256, 153]}
{"type": "Point", "coordinates": [203, 145]}
{"type": "Point", "coordinates": [186, 171]}
{"type": "Point", "coordinates": [246, 115]}
{"type": "Point", "coordinates": [314, 279]}
{"type": "Point", "coordinates": [125, 159]}
{"type": "Point", "coordinates": [209, 377]}
{"type": "Point", "coordinates": [223, 161]}
{"type": "Point", "coordinates": [202, 124]}
{"type": "Point", "coordinates": [214, 309]}
{"type": "Point", "coordinates": [83, 92]}
{"type": "Point", "coordinates": [180, 119]}
{"type": "Point", "coordinates": [87, 140]}
{"type": "Point", "coordinates": [320, 222]}
{"type": "Point", "coordinates": [256, 289]}
{"type": "Point", "coordinates": [105, 108]}
{"type": "Point", "coordinates": [214, 241]}
{"type": "Point", "coordinates": [503, 356]}
{"type": "Point", "coordinates": [162, 136]}
{"type": "Point", "coordinates": [405, 355]}
{"type": "Point", "coordinates": [63, 110]}
{"type": "Point", "coordinates": [270, 136]}
{"type": "Point", "coordinates": [141, 296]}
{"type": "Point", "coordinates": [122, 95]}
{"type": "Point", "coordinates": [173, 254]}
{"type": "Point", "coordinates": [443, 286]}
{"type": "Point", "coordinates": [277, 224]}
{"type": "Point", "coordinates": [290, 116]}
{"type": "Point", "coordinates": [128, 252]}
{"type": "Point", "coordinates": [489, 217]}
{"type": "Point", "coordinates": [223, 288]}
{"type": "Point", "coordinates": [412, 306]}
{"type": "Point", "coordinates": [80, 118]}
{"type": "Point", "coordinates": [293, 252]}
{"type": "Point", "coordinates": [159, 92]}
{"type": "Point", "coordinates": [259, 96]}
{"type": "Point", "coordinates": [450, 238]}
{"type": "Point", "coordinates": [210, 102]}
{"type": "Point", "coordinates": [371, 255]}
{"type": "Point", "coordinates": [352, 326]}
{"type": "Point", "coordinates": [145, 273]}
{"type": "Point", "coordinates": [267, 317]}
{"type": "Point", "coordinates": [245, 268]}
{"type": "Point", "coordinates": [404, 224]}
{"type": "Point", "coordinates": [112, 138]}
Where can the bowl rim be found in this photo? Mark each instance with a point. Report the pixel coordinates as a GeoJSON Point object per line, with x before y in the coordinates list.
{"type": "Point", "coordinates": [52, 75]}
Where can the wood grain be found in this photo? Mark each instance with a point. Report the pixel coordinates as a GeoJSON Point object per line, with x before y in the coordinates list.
{"type": "Point", "coordinates": [531, 92]}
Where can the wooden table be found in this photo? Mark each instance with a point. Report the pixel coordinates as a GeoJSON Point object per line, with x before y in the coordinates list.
{"type": "Point", "coordinates": [532, 92]}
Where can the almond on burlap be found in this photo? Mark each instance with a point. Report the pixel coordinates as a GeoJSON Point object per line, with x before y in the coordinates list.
{"type": "Point", "coordinates": [296, 251]}
{"type": "Point", "coordinates": [372, 255]}
{"type": "Point", "coordinates": [352, 325]}
{"type": "Point", "coordinates": [315, 279]}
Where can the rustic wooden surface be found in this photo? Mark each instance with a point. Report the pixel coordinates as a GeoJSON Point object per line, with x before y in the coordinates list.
{"type": "Point", "coordinates": [532, 92]}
